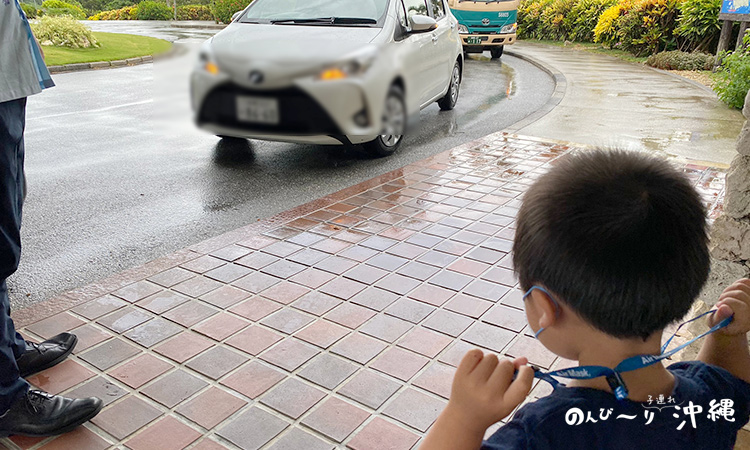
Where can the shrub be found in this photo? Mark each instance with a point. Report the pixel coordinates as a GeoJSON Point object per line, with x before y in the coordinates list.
{"type": "Point", "coordinates": [63, 32]}
{"type": "Point", "coordinates": [556, 20]}
{"type": "Point", "coordinates": [698, 24]}
{"type": "Point", "coordinates": [61, 8]}
{"type": "Point", "coordinates": [118, 4]}
{"type": "Point", "coordinates": [649, 26]}
{"type": "Point", "coordinates": [677, 60]}
{"type": "Point", "coordinates": [126, 13]}
{"type": "Point", "coordinates": [733, 78]}
{"type": "Point", "coordinates": [530, 18]}
{"type": "Point", "coordinates": [151, 10]}
{"type": "Point", "coordinates": [605, 30]}
{"type": "Point", "coordinates": [223, 10]}
{"type": "Point", "coordinates": [585, 15]}
{"type": "Point", "coordinates": [29, 10]}
{"type": "Point", "coordinates": [194, 12]}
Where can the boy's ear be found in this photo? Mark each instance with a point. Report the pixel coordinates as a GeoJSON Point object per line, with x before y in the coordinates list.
{"type": "Point", "coordinates": [547, 308]}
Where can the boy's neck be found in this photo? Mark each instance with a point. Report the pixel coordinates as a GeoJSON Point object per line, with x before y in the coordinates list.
{"type": "Point", "coordinates": [610, 351]}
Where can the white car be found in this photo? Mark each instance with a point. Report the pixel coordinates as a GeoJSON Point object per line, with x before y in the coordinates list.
{"type": "Point", "coordinates": [328, 71]}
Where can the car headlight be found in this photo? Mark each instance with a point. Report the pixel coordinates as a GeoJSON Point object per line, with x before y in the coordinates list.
{"type": "Point", "coordinates": [510, 28]}
{"type": "Point", "coordinates": [354, 65]}
{"type": "Point", "coordinates": [463, 29]}
{"type": "Point", "coordinates": [206, 60]}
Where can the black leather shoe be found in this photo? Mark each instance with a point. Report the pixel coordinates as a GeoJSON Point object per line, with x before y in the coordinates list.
{"type": "Point", "coordinates": [45, 354]}
{"type": "Point", "coordinates": [40, 414]}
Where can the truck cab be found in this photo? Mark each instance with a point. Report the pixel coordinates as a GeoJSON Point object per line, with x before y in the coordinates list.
{"type": "Point", "coordinates": [486, 24]}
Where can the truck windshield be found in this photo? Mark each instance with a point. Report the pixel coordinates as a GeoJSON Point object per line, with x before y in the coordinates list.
{"type": "Point", "coordinates": [309, 11]}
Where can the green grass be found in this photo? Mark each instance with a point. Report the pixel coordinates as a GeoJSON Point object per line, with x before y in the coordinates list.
{"type": "Point", "coordinates": [114, 46]}
{"type": "Point", "coordinates": [596, 48]}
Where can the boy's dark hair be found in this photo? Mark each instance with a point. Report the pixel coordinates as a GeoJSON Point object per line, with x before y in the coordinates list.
{"type": "Point", "coordinates": [619, 236]}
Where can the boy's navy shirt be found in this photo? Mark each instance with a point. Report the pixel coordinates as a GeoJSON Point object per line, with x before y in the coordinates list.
{"type": "Point", "coordinates": [542, 424]}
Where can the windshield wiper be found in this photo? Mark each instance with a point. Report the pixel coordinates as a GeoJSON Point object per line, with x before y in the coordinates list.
{"type": "Point", "coordinates": [327, 21]}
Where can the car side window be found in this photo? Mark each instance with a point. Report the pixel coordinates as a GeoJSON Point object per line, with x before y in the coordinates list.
{"type": "Point", "coordinates": [438, 10]}
{"type": "Point", "coordinates": [414, 7]}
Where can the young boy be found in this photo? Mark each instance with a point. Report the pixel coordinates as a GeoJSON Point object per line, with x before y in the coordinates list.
{"type": "Point", "coordinates": [611, 247]}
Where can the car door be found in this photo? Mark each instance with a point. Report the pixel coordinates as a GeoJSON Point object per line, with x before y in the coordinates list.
{"type": "Point", "coordinates": [416, 54]}
{"type": "Point", "coordinates": [443, 46]}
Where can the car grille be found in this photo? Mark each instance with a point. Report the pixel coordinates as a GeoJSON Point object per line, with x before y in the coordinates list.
{"type": "Point", "coordinates": [298, 112]}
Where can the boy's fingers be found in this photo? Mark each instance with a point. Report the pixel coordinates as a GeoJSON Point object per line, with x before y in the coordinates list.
{"type": "Point", "coordinates": [502, 376]}
{"type": "Point", "coordinates": [469, 362]}
{"type": "Point", "coordinates": [520, 361]}
{"type": "Point", "coordinates": [520, 387]}
{"type": "Point", "coordinates": [486, 367]}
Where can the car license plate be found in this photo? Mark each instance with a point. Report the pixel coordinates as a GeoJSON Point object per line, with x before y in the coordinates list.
{"type": "Point", "coordinates": [258, 110]}
{"type": "Point", "coordinates": [473, 40]}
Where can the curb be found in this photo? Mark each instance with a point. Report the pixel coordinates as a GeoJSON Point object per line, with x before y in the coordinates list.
{"type": "Point", "coordinates": [175, 50]}
{"type": "Point", "coordinates": [688, 80]}
{"type": "Point", "coordinates": [207, 26]}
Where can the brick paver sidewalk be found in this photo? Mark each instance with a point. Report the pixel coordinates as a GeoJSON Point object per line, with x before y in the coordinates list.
{"type": "Point", "coordinates": [336, 324]}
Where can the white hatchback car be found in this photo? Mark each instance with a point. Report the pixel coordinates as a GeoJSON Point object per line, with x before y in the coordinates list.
{"type": "Point", "coordinates": [328, 71]}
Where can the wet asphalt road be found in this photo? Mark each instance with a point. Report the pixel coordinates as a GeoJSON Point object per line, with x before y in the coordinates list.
{"type": "Point", "coordinates": [118, 175]}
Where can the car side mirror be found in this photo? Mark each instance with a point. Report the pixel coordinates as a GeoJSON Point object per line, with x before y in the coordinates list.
{"type": "Point", "coordinates": [236, 15]}
{"type": "Point", "coordinates": [421, 24]}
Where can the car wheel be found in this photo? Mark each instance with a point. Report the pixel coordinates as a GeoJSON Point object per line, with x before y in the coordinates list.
{"type": "Point", "coordinates": [451, 97]}
{"type": "Point", "coordinates": [496, 52]}
{"type": "Point", "coordinates": [394, 125]}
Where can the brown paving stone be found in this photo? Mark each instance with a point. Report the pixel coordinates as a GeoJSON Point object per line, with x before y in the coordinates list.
{"type": "Point", "coordinates": [358, 253]}
{"type": "Point", "coordinates": [282, 249]}
{"type": "Point", "coordinates": [336, 419]}
{"type": "Point", "coordinates": [208, 444]}
{"type": "Point", "coordinates": [125, 417]}
{"type": "Point", "coordinates": [167, 434]}
{"type": "Point", "coordinates": [109, 354]}
{"type": "Point", "coordinates": [448, 323]}
{"type": "Point", "coordinates": [80, 438]}
{"type": "Point", "coordinates": [415, 409]}
{"type": "Point", "coordinates": [386, 327]}
{"type": "Point", "coordinates": [210, 408]}
{"type": "Point", "coordinates": [257, 260]}
{"type": "Point", "coordinates": [322, 333]}
{"type": "Point", "coordinates": [437, 259]}
{"type": "Point", "coordinates": [450, 280]}
{"type": "Point", "coordinates": [398, 284]}
{"type": "Point", "coordinates": [498, 244]}
{"type": "Point", "coordinates": [380, 434]}
{"type": "Point", "coordinates": [254, 339]}
{"type": "Point", "coordinates": [533, 350]}
{"type": "Point", "coordinates": [336, 264]}
{"type": "Point", "coordinates": [485, 255]}
{"type": "Point", "coordinates": [316, 303]}
{"type": "Point", "coordinates": [432, 295]}
{"type": "Point", "coordinates": [418, 270]}
{"type": "Point", "coordinates": [425, 342]}
{"type": "Point", "coordinates": [256, 282]}
{"type": "Point", "coordinates": [257, 242]}
{"type": "Point", "coordinates": [365, 274]}
{"type": "Point", "coordinates": [24, 442]}
{"type": "Point", "coordinates": [174, 388]}
{"type": "Point", "coordinates": [405, 250]}
{"type": "Point", "coordinates": [162, 301]}
{"type": "Point", "coordinates": [373, 298]}
{"type": "Point", "coordinates": [437, 379]}
{"type": "Point", "coordinates": [99, 307]}
{"type": "Point", "coordinates": [153, 332]}
{"type": "Point", "coordinates": [171, 277]}
{"type": "Point", "coordinates": [253, 379]}
{"type": "Point", "coordinates": [469, 267]}
{"type": "Point", "coordinates": [486, 290]}
{"type": "Point", "coordinates": [331, 245]}
{"type": "Point", "coordinates": [255, 308]}
{"type": "Point", "coordinates": [327, 370]}
{"type": "Point", "coordinates": [98, 387]}
{"type": "Point", "coordinates": [290, 354]}
{"type": "Point", "coordinates": [198, 286]}
{"type": "Point", "coordinates": [184, 346]}
{"type": "Point", "coordinates": [221, 326]}
{"type": "Point", "coordinates": [369, 388]}
{"type": "Point", "coordinates": [60, 377]}
{"type": "Point", "coordinates": [140, 370]}
{"type": "Point", "coordinates": [203, 264]}
{"type": "Point", "coordinates": [283, 269]}
{"type": "Point", "coordinates": [282, 233]}
{"type": "Point", "coordinates": [230, 252]}
{"type": "Point", "coordinates": [306, 239]}
{"type": "Point", "coordinates": [514, 298]}
{"type": "Point", "coordinates": [409, 310]}
{"type": "Point", "coordinates": [296, 439]}
{"type": "Point", "coordinates": [488, 336]}
{"type": "Point", "coordinates": [342, 288]}
{"type": "Point", "coordinates": [506, 317]}
{"type": "Point", "coordinates": [252, 429]}
{"type": "Point", "coordinates": [312, 278]}
{"type": "Point", "coordinates": [124, 319]}
{"type": "Point", "coordinates": [455, 352]}
{"type": "Point", "coordinates": [308, 257]}
{"type": "Point", "coordinates": [228, 273]}
{"type": "Point", "coordinates": [285, 292]}
{"type": "Point", "coordinates": [216, 362]}
{"type": "Point", "coordinates": [350, 315]}
{"type": "Point", "coordinates": [88, 335]}
{"type": "Point", "coordinates": [358, 347]}
{"type": "Point", "coordinates": [399, 363]}
{"type": "Point", "coordinates": [137, 291]}
{"type": "Point", "coordinates": [293, 397]}
{"type": "Point", "coordinates": [225, 296]}
{"type": "Point", "coordinates": [468, 306]}
{"type": "Point", "coordinates": [386, 262]}
{"type": "Point", "coordinates": [55, 325]}
{"type": "Point", "coordinates": [287, 321]}
{"type": "Point", "coordinates": [190, 313]}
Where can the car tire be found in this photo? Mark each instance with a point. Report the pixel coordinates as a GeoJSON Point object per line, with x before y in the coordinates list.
{"type": "Point", "coordinates": [394, 125]}
{"type": "Point", "coordinates": [496, 52]}
{"type": "Point", "coordinates": [448, 102]}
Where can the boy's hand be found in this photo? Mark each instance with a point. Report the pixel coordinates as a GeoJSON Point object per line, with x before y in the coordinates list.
{"type": "Point", "coordinates": [484, 391]}
{"type": "Point", "coordinates": [734, 300]}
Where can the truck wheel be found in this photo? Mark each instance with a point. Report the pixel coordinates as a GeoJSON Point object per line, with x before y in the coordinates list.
{"type": "Point", "coordinates": [496, 52]}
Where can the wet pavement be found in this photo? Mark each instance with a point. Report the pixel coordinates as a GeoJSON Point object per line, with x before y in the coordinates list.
{"type": "Point", "coordinates": [336, 324]}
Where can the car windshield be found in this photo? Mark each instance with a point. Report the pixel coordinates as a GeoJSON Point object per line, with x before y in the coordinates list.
{"type": "Point", "coordinates": [311, 12]}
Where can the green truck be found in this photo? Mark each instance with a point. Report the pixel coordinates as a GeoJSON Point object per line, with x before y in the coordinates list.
{"type": "Point", "coordinates": [486, 24]}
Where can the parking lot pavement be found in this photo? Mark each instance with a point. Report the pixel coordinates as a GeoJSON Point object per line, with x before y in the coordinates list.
{"type": "Point", "coordinates": [338, 323]}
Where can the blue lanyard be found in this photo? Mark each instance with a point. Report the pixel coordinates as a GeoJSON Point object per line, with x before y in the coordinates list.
{"type": "Point", "coordinates": [613, 376]}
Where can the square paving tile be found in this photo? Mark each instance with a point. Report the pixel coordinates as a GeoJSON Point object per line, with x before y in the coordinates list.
{"type": "Point", "coordinates": [380, 434]}
{"type": "Point", "coordinates": [109, 354]}
{"type": "Point", "coordinates": [140, 370]}
{"type": "Point", "coordinates": [342, 288]}
{"type": "Point", "coordinates": [502, 276]}
{"type": "Point", "coordinates": [370, 388]}
{"type": "Point", "coordinates": [137, 291]}
{"type": "Point", "coordinates": [225, 296]}
{"type": "Point", "coordinates": [533, 350]}
{"type": "Point", "coordinates": [418, 270]}
{"type": "Point", "coordinates": [255, 308]}
{"type": "Point", "coordinates": [322, 333]}
{"type": "Point", "coordinates": [328, 370]}
{"type": "Point", "coordinates": [398, 284]}
{"type": "Point", "coordinates": [437, 379]}
{"type": "Point", "coordinates": [162, 301]}
{"type": "Point", "coordinates": [399, 363]}
{"type": "Point", "coordinates": [208, 444]}
{"type": "Point", "coordinates": [253, 379]}
{"type": "Point", "coordinates": [203, 264]}
{"type": "Point", "coordinates": [316, 303]}
{"type": "Point", "coordinates": [198, 286]}
{"type": "Point", "coordinates": [375, 299]}
{"type": "Point", "coordinates": [89, 335]}
{"type": "Point", "coordinates": [409, 310]}
{"type": "Point", "coordinates": [167, 434]}
{"type": "Point", "coordinates": [486, 290]}
{"type": "Point", "coordinates": [292, 397]}
{"type": "Point", "coordinates": [228, 273]}
{"type": "Point", "coordinates": [254, 339]}
{"type": "Point", "coordinates": [124, 319]}
{"type": "Point", "coordinates": [60, 377]}
{"type": "Point", "coordinates": [432, 295]}
{"type": "Point", "coordinates": [257, 242]}
{"type": "Point", "coordinates": [80, 439]}
{"type": "Point", "coordinates": [184, 346]}
{"type": "Point", "coordinates": [190, 313]}
{"type": "Point", "coordinates": [415, 409]}
{"type": "Point", "coordinates": [296, 439]}
{"type": "Point", "coordinates": [514, 299]}
{"type": "Point", "coordinates": [456, 352]}
{"type": "Point", "coordinates": [336, 419]}
{"type": "Point", "coordinates": [216, 362]}
{"type": "Point", "coordinates": [285, 292]}
{"type": "Point", "coordinates": [284, 269]}
{"type": "Point", "coordinates": [506, 317]}
{"type": "Point", "coordinates": [98, 387]}
{"type": "Point", "coordinates": [384, 263]}
{"type": "Point", "coordinates": [313, 278]}
{"type": "Point", "coordinates": [211, 407]}
{"type": "Point", "coordinates": [365, 274]}
{"type": "Point", "coordinates": [153, 332]}
{"type": "Point", "coordinates": [358, 347]}
{"type": "Point", "coordinates": [287, 320]}
{"type": "Point", "coordinates": [350, 315]}
{"type": "Point", "coordinates": [231, 252]}
{"type": "Point", "coordinates": [282, 249]}
{"type": "Point", "coordinates": [126, 416]}
{"type": "Point", "coordinates": [451, 280]}
{"type": "Point", "coordinates": [99, 307]}
{"type": "Point", "coordinates": [174, 388]}
{"type": "Point", "coordinates": [257, 260]}
{"type": "Point", "coordinates": [425, 342]}
{"type": "Point", "coordinates": [252, 429]}
{"type": "Point", "coordinates": [386, 327]}
{"type": "Point", "coordinates": [172, 276]}
{"type": "Point", "coordinates": [221, 326]}
{"type": "Point", "coordinates": [55, 325]}
{"type": "Point", "coordinates": [290, 354]}
{"type": "Point", "coordinates": [488, 336]}
{"type": "Point", "coordinates": [469, 306]}
{"type": "Point", "coordinates": [256, 282]}
{"type": "Point", "coordinates": [448, 323]}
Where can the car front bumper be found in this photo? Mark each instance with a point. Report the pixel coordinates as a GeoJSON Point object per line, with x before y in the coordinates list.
{"type": "Point", "coordinates": [488, 40]}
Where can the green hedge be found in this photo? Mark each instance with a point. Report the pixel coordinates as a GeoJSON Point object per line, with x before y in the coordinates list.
{"type": "Point", "coordinates": [63, 32]}
{"type": "Point", "coordinates": [223, 10]}
{"type": "Point", "coordinates": [733, 77]}
{"type": "Point", "coordinates": [151, 10]}
{"type": "Point", "coordinates": [194, 12]}
{"type": "Point", "coordinates": [61, 8]}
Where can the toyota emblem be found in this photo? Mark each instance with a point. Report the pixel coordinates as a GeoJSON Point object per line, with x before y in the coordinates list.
{"type": "Point", "coordinates": [256, 77]}
{"type": "Point", "coordinates": [485, 21]}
